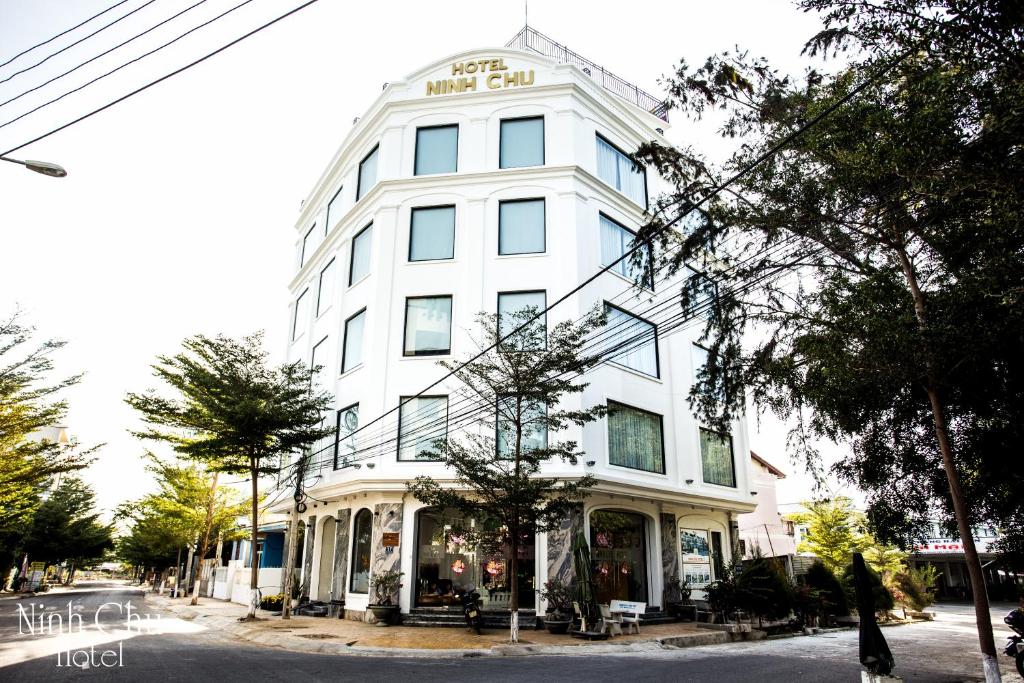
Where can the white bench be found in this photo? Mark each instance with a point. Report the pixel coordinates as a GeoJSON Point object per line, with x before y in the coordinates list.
{"type": "Point", "coordinates": [630, 612]}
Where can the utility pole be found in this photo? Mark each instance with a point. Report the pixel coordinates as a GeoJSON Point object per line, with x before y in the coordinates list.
{"type": "Point", "coordinates": [293, 538]}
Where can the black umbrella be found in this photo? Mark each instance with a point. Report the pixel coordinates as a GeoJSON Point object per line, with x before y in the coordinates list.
{"type": "Point", "coordinates": [584, 580]}
{"type": "Point", "coordinates": [874, 651]}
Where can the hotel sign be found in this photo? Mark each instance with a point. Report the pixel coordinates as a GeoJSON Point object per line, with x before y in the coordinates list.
{"type": "Point", "coordinates": [480, 74]}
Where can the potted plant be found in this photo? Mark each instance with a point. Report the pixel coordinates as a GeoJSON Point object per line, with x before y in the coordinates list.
{"type": "Point", "coordinates": [558, 595]}
{"type": "Point", "coordinates": [385, 588]}
{"type": "Point", "coordinates": [272, 603]}
{"type": "Point", "coordinates": [677, 597]}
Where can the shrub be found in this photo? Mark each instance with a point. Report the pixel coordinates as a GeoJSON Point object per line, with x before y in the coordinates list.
{"type": "Point", "coordinates": [559, 597]}
{"type": "Point", "coordinates": [918, 586]}
{"type": "Point", "coordinates": [723, 594]}
{"type": "Point", "coordinates": [821, 579]}
{"type": "Point", "coordinates": [385, 586]}
{"type": "Point", "coordinates": [764, 589]}
{"type": "Point", "coordinates": [677, 591]}
{"type": "Point", "coordinates": [272, 603]}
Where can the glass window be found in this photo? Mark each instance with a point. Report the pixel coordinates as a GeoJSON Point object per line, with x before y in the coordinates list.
{"type": "Point", "coordinates": [616, 240]}
{"type": "Point", "coordinates": [352, 351]}
{"type": "Point", "coordinates": [512, 303]}
{"type": "Point", "coordinates": [534, 432]}
{"type": "Point", "coordinates": [618, 556]}
{"type": "Point", "coordinates": [631, 341]}
{"type": "Point", "coordinates": [334, 211]}
{"type": "Point", "coordinates": [716, 458]}
{"type": "Point", "coordinates": [300, 316]}
{"type": "Point", "coordinates": [428, 325]}
{"type": "Point", "coordinates": [360, 259]}
{"type": "Point", "coordinates": [345, 445]}
{"type": "Point", "coordinates": [619, 171]}
{"type": "Point", "coordinates": [437, 150]}
{"type": "Point", "coordinates": [521, 227]}
{"type": "Point", "coordinates": [701, 291]}
{"type": "Point", "coordinates": [421, 422]}
{"type": "Point", "coordinates": [362, 532]}
{"type": "Point", "coordinates": [309, 244]}
{"type": "Point", "coordinates": [325, 291]}
{"type": "Point", "coordinates": [318, 360]}
{"type": "Point", "coordinates": [635, 439]}
{"type": "Point", "coordinates": [367, 174]}
{"type": "Point", "coordinates": [522, 142]}
{"type": "Point", "coordinates": [432, 233]}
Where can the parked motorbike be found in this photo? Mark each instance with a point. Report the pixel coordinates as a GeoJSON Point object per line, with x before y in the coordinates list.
{"type": "Point", "coordinates": [471, 610]}
{"type": "Point", "coordinates": [1015, 644]}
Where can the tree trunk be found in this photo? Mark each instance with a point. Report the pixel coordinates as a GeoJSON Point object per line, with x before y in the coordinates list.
{"type": "Point", "coordinates": [71, 575]}
{"type": "Point", "coordinates": [204, 546]}
{"type": "Point", "coordinates": [289, 568]}
{"type": "Point", "coordinates": [254, 576]}
{"type": "Point", "coordinates": [990, 664]}
{"type": "Point", "coordinates": [513, 575]}
{"type": "Point", "coordinates": [189, 567]}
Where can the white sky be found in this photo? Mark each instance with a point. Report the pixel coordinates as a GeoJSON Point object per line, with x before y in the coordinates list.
{"type": "Point", "coordinates": [177, 214]}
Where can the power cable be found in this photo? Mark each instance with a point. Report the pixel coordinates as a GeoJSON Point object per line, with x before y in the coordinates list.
{"type": "Point", "coordinates": [161, 79]}
{"type": "Point", "coordinates": [80, 40]}
{"type": "Point", "coordinates": [62, 33]}
{"type": "Point", "coordinates": [102, 54]}
{"type": "Point", "coordinates": [128, 63]}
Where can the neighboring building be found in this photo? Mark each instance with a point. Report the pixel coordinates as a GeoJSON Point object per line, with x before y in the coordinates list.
{"type": "Point", "coordinates": [946, 553]}
{"type": "Point", "coordinates": [764, 531]}
{"type": "Point", "coordinates": [485, 181]}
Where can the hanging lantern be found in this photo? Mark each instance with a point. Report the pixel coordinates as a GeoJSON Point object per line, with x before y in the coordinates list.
{"type": "Point", "coordinates": [458, 566]}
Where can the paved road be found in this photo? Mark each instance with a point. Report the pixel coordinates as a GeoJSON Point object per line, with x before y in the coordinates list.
{"type": "Point", "coordinates": [167, 649]}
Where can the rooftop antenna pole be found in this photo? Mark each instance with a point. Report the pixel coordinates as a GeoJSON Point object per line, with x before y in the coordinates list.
{"type": "Point", "coordinates": [526, 13]}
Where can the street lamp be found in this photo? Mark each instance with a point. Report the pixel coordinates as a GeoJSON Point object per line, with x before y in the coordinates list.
{"type": "Point", "coordinates": [44, 167]}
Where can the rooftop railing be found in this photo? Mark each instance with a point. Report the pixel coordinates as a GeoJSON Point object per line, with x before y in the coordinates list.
{"type": "Point", "coordinates": [533, 40]}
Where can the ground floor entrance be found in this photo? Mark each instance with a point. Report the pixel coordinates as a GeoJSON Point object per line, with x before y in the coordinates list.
{"type": "Point", "coordinates": [618, 551]}
{"type": "Point", "coordinates": [450, 563]}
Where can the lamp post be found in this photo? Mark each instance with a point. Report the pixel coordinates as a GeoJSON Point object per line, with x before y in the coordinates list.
{"type": "Point", "coordinates": [44, 167]}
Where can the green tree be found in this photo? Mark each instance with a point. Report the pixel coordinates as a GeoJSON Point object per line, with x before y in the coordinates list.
{"type": "Point", "coordinates": [521, 375]}
{"type": "Point", "coordinates": [189, 510]}
{"type": "Point", "coordinates": [66, 526]}
{"type": "Point", "coordinates": [765, 589]}
{"type": "Point", "coordinates": [878, 254]}
{"type": "Point", "coordinates": [834, 531]}
{"type": "Point", "coordinates": [28, 403]}
{"type": "Point", "coordinates": [233, 412]}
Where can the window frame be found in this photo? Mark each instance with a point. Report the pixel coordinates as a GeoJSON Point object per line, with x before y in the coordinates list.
{"type": "Point", "coordinates": [543, 226]}
{"type": "Point", "coordinates": [352, 254]}
{"type": "Point", "coordinates": [405, 326]}
{"type": "Point", "coordinates": [337, 431]}
{"type": "Point", "coordinates": [330, 202]}
{"type": "Point", "coordinates": [305, 242]}
{"type": "Point", "coordinates": [649, 276]}
{"type": "Point", "coordinates": [657, 351]}
{"type": "Point", "coordinates": [295, 315]}
{"type": "Point", "coordinates": [359, 173]}
{"type": "Point", "coordinates": [344, 339]}
{"type": "Point", "coordinates": [312, 357]}
{"type": "Point", "coordinates": [543, 139]}
{"type": "Point", "coordinates": [647, 199]}
{"type": "Point", "coordinates": [661, 426]}
{"type": "Point", "coordinates": [544, 315]}
{"type": "Point", "coordinates": [455, 218]}
{"type": "Point", "coordinates": [416, 148]}
{"type": "Point", "coordinates": [497, 427]}
{"type": "Point", "coordinates": [732, 458]}
{"type": "Point", "coordinates": [354, 556]}
{"type": "Point", "coordinates": [320, 285]}
{"type": "Point", "coordinates": [402, 402]}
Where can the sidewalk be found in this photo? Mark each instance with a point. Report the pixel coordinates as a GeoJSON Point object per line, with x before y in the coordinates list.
{"type": "Point", "coordinates": [339, 636]}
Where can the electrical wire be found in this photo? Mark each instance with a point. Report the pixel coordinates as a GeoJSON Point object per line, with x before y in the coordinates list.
{"type": "Point", "coordinates": [161, 79]}
{"type": "Point", "coordinates": [62, 33]}
{"type": "Point", "coordinates": [102, 54]}
{"type": "Point", "coordinates": [79, 41]}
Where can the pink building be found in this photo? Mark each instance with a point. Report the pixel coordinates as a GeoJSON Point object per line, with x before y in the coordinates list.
{"type": "Point", "coordinates": [764, 530]}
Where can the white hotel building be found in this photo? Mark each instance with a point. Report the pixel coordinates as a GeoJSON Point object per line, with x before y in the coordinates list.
{"type": "Point", "coordinates": [487, 180]}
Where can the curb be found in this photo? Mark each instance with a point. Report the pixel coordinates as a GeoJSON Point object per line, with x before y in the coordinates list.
{"type": "Point", "coordinates": [263, 637]}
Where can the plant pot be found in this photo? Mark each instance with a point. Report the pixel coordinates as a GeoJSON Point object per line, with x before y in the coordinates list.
{"type": "Point", "coordinates": [385, 615]}
{"type": "Point", "coordinates": [557, 624]}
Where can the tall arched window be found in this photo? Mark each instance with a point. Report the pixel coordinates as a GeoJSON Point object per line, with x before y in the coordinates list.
{"type": "Point", "coordinates": [361, 534]}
